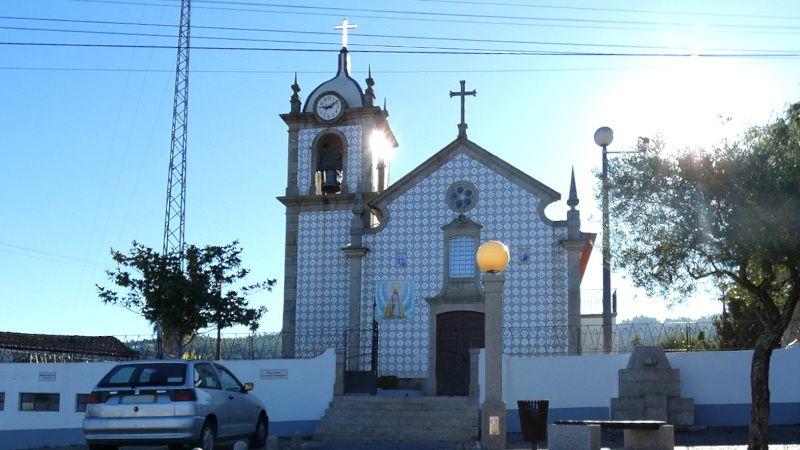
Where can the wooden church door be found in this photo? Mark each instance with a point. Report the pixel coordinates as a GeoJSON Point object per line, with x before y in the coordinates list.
{"type": "Point", "coordinates": [456, 333]}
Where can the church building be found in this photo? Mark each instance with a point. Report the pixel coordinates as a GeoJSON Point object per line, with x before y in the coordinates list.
{"type": "Point", "coordinates": [361, 249]}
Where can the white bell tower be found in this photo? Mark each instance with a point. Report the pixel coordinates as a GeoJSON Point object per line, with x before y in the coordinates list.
{"type": "Point", "coordinates": [336, 163]}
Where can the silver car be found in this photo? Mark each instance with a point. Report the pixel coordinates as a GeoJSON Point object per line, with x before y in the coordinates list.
{"type": "Point", "coordinates": [173, 402]}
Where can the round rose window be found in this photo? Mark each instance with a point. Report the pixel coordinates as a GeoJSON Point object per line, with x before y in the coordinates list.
{"type": "Point", "coordinates": [462, 196]}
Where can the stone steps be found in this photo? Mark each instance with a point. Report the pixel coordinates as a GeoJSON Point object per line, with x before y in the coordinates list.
{"type": "Point", "coordinates": [399, 419]}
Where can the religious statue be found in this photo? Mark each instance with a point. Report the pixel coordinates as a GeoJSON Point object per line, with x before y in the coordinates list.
{"type": "Point", "coordinates": [394, 307]}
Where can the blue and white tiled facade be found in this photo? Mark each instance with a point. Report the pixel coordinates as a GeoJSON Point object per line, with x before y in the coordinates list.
{"type": "Point", "coordinates": [536, 293]}
{"type": "Point", "coordinates": [322, 283]}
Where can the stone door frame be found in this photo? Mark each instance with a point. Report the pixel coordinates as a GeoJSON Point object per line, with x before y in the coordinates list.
{"type": "Point", "coordinates": [434, 309]}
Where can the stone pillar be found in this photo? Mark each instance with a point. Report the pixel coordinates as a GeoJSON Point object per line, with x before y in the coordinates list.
{"type": "Point", "coordinates": [474, 369]}
{"type": "Point", "coordinates": [355, 251]}
{"type": "Point", "coordinates": [338, 384]}
{"type": "Point", "coordinates": [574, 247]}
{"type": "Point", "coordinates": [288, 332]}
{"type": "Point", "coordinates": [354, 336]}
{"type": "Point", "coordinates": [493, 409]}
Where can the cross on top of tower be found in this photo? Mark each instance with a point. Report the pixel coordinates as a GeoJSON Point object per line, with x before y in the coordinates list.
{"type": "Point", "coordinates": [346, 25]}
{"type": "Point", "coordinates": [463, 93]}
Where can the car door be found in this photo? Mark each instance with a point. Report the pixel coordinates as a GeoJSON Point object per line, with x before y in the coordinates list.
{"type": "Point", "coordinates": [207, 382]}
{"type": "Point", "coordinates": [242, 413]}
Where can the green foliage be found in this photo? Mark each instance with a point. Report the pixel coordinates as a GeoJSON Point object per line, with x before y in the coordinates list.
{"type": "Point", "coordinates": [183, 301]}
{"type": "Point", "coordinates": [730, 214]}
{"type": "Point", "coordinates": [740, 328]}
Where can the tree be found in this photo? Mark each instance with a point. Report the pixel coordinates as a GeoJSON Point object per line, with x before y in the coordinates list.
{"type": "Point", "coordinates": [183, 300]}
{"type": "Point", "coordinates": [222, 266]}
{"type": "Point", "coordinates": [739, 327]}
{"type": "Point", "coordinates": [729, 215]}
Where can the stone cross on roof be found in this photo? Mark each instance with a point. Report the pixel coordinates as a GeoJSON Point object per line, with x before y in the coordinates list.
{"type": "Point", "coordinates": [344, 27]}
{"type": "Point", "coordinates": [463, 93]}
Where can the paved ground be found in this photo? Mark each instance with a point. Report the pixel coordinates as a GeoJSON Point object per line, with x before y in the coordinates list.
{"type": "Point", "coordinates": [781, 438]}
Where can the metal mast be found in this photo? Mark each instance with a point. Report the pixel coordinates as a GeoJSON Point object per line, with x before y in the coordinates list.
{"type": "Point", "coordinates": [175, 217]}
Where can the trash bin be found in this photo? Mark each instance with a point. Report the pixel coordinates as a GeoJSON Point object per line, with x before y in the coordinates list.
{"type": "Point", "coordinates": [533, 420]}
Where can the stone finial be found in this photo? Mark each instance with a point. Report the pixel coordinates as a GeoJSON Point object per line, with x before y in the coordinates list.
{"type": "Point", "coordinates": [573, 193]}
{"type": "Point", "coordinates": [385, 111]}
{"type": "Point", "coordinates": [295, 100]}
{"type": "Point", "coordinates": [369, 94]}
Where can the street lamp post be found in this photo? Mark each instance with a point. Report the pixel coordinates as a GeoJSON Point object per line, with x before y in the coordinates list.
{"type": "Point", "coordinates": [603, 138]}
{"type": "Point", "coordinates": [492, 258]}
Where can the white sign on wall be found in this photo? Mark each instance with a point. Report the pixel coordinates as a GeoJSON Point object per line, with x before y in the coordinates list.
{"type": "Point", "coordinates": [274, 374]}
{"type": "Point", "coordinates": [47, 376]}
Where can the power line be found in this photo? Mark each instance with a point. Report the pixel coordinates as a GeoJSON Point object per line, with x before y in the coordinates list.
{"type": "Point", "coordinates": [415, 52]}
{"type": "Point", "coordinates": [562, 23]}
{"type": "Point", "coordinates": [460, 15]}
{"type": "Point", "coordinates": [286, 41]}
{"type": "Point", "coordinates": [370, 35]}
{"type": "Point", "coordinates": [623, 10]}
{"type": "Point", "coordinates": [49, 256]}
{"type": "Point", "coordinates": [289, 72]}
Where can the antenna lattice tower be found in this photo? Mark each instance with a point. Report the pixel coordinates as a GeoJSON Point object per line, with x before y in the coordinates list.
{"type": "Point", "coordinates": [175, 217]}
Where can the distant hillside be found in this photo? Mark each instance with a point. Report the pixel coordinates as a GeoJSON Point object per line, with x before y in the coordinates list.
{"type": "Point", "coordinates": [644, 320]}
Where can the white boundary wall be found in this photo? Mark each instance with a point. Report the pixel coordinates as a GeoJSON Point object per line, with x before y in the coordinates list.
{"type": "Point", "coordinates": [719, 382]}
{"type": "Point", "coordinates": [295, 403]}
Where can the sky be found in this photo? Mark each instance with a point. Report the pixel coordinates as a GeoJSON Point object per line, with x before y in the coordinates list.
{"type": "Point", "coordinates": [84, 131]}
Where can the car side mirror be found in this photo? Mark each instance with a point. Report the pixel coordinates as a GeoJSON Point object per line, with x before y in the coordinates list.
{"type": "Point", "coordinates": [248, 387]}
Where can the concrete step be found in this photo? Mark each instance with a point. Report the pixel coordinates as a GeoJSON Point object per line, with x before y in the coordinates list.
{"type": "Point", "coordinates": [339, 421]}
{"type": "Point", "coordinates": [420, 445]}
{"type": "Point", "coordinates": [355, 412]}
{"type": "Point", "coordinates": [399, 419]}
{"type": "Point", "coordinates": [364, 438]}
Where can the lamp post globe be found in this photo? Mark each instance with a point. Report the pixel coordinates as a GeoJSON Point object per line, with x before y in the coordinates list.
{"type": "Point", "coordinates": [493, 256]}
{"type": "Point", "coordinates": [603, 136]}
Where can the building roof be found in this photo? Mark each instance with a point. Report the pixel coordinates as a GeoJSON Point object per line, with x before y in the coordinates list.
{"type": "Point", "coordinates": [343, 84]}
{"type": "Point", "coordinates": [462, 145]}
{"type": "Point", "coordinates": [53, 343]}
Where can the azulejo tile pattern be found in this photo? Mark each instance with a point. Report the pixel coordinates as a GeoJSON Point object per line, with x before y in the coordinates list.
{"type": "Point", "coordinates": [322, 281]}
{"type": "Point", "coordinates": [535, 293]}
{"type": "Point", "coordinates": [305, 140]}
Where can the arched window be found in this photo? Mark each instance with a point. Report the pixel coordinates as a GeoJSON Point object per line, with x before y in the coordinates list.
{"type": "Point", "coordinates": [329, 156]}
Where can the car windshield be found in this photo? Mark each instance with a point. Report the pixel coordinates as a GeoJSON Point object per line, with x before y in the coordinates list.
{"type": "Point", "coordinates": [136, 375]}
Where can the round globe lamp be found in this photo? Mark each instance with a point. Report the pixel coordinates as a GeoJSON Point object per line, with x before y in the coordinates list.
{"type": "Point", "coordinates": [492, 256]}
{"type": "Point", "coordinates": [603, 136]}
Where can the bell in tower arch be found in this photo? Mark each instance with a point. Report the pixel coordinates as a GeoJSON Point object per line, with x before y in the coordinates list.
{"type": "Point", "coordinates": [330, 164]}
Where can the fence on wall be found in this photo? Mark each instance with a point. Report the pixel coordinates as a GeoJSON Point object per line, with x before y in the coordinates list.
{"type": "Point", "coordinates": [519, 341]}
{"type": "Point", "coordinates": [673, 336]}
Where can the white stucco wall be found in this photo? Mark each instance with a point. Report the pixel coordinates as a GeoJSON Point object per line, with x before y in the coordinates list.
{"type": "Point", "coordinates": [302, 396]}
{"type": "Point", "coordinates": [710, 378]}
{"type": "Point", "coordinates": [535, 293]}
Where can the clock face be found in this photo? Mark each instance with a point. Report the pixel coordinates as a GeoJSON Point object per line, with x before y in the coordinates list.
{"type": "Point", "coordinates": [329, 107]}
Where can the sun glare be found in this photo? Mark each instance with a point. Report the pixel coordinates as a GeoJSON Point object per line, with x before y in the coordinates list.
{"type": "Point", "coordinates": [693, 102]}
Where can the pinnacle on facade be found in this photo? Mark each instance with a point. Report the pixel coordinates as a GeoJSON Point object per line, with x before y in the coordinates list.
{"type": "Point", "coordinates": [295, 100]}
{"type": "Point", "coordinates": [369, 94]}
{"type": "Point", "coordinates": [573, 193]}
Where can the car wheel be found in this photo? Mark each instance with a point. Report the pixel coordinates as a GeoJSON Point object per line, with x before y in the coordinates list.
{"type": "Point", "coordinates": [259, 438]}
{"type": "Point", "coordinates": [208, 437]}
